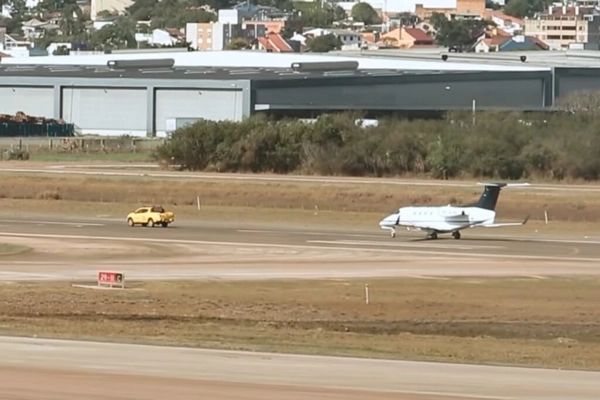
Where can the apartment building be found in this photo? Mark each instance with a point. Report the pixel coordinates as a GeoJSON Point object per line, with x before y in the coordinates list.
{"type": "Point", "coordinates": [231, 24]}
{"type": "Point", "coordinates": [562, 26]}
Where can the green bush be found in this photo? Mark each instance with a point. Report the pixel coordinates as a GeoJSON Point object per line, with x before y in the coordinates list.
{"type": "Point", "coordinates": [504, 145]}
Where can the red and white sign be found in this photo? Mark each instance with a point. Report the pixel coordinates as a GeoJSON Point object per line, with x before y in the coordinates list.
{"type": "Point", "coordinates": [111, 278]}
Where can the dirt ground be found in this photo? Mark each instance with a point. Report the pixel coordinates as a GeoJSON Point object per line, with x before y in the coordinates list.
{"type": "Point", "coordinates": [533, 322]}
{"type": "Point", "coordinates": [314, 197]}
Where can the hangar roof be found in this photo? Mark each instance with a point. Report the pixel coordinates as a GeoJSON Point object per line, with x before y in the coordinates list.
{"type": "Point", "coordinates": [257, 59]}
{"type": "Point", "coordinates": [539, 59]}
{"type": "Point", "coordinates": [77, 71]}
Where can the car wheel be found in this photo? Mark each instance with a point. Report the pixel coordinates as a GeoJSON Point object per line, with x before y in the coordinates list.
{"type": "Point", "coordinates": [150, 223]}
{"type": "Point", "coordinates": [130, 222]}
{"type": "Point", "coordinates": [165, 224]}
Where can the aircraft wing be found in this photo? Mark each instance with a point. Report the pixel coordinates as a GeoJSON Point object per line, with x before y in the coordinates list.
{"type": "Point", "coordinates": [505, 224]}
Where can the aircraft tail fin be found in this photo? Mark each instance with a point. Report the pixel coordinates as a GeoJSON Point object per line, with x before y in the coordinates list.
{"type": "Point", "coordinates": [491, 192]}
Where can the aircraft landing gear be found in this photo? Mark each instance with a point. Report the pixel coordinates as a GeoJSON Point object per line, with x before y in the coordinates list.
{"type": "Point", "coordinates": [432, 236]}
{"type": "Point", "coordinates": [456, 235]}
{"type": "Point", "coordinates": [393, 233]}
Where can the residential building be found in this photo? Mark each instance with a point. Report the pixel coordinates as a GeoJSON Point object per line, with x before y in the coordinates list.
{"type": "Point", "coordinates": [350, 40]}
{"type": "Point", "coordinates": [562, 26]}
{"type": "Point", "coordinates": [161, 37]}
{"type": "Point", "coordinates": [507, 23]}
{"type": "Point", "coordinates": [505, 42]}
{"type": "Point", "coordinates": [248, 23]}
{"type": "Point", "coordinates": [118, 6]}
{"type": "Point", "coordinates": [35, 28]}
{"type": "Point", "coordinates": [272, 43]}
{"type": "Point", "coordinates": [462, 9]}
{"type": "Point", "coordinates": [407, 38]}
{"type": "Point", "coordinates": [13, 42]}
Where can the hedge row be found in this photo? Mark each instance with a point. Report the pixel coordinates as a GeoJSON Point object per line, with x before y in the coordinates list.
{"type": "Point", "coordinates": [494, 145]}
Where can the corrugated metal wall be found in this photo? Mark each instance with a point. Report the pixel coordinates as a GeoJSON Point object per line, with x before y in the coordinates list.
{"type": "Point", "coordinates": [197, 103]}
{"type": "Point", "coordinates": [37, 102]}
{"type": "Point", "coordinates": [109, 111]}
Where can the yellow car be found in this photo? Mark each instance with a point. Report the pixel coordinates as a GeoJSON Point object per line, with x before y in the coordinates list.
{"type": "Point", "coordinates": [150, 216]}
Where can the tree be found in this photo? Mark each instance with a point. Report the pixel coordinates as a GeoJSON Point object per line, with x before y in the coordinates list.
{"type": "Point", "coordinates": [237, 44]}
{"type": "Point", "coordinates": [339, 14]}
{"type": "Point", "coordinates": [61, 51]}
{"type": "Point", "coordinates": [525, 8]}
{"type": "Point", "coordinates": [363, 12]}
{"type": "Point", "coordinates": [461, 34]}
{"type": "Point", "coordinates": [323, 44]}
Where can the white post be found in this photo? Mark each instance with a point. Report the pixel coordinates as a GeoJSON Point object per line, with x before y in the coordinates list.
{"type": "Point", "coordinates": [198, 202]}
{"type": "Point", "coordinates": [474, 107]}
{"type": "Point", "coordinates": [546, 216]}
{"type": "Point", "coordinates": [316, 209]}
{"type": "Point", "coordinates": [367, 293]}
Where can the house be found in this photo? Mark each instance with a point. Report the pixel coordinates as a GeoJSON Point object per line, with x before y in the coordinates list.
{"type": "Point", "coordinates": [510, 24]}
{"type": "Point", "coordinates": [13, 42]}
{"type": "Point", "coordinates": [161, 37]}
{"type": "Point", "coordinates": [504, 42]}
{"type": "Point", "coordinates": [350, 40]}
{"type": "Point", "coordinates": [407, 38]}
{"type": "Point", "coordinates": [272, 43]}
{"type": "Point", "coordinates": [34, 28]}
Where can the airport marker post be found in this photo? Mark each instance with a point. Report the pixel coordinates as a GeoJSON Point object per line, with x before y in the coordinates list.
{"type": "Point", "coordinates": [111, 279]}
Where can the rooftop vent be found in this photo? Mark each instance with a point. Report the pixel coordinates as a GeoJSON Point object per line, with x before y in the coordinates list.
{"type": "Point", "coordinates": [325, 66]}
{"type": "Point", "coordinates": [137, 64]}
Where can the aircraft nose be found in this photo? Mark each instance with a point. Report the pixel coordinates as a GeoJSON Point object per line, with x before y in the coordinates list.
{"type": "Point", "coordinates": [390, 220]}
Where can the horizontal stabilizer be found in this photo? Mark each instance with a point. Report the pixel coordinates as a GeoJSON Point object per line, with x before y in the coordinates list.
{"type": "Point", "coordinates": [503, 184]}
{"type": "Point", "coordinates": [506, 224]}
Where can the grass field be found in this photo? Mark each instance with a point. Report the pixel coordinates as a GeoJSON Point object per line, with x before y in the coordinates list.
{"type": "Point", "coordinates": [550, 322]}
{"type": "Point", "coordinates": [129, 192]}
{"type": "Point", "coordinates": [92, 157]}
{"type": "Point", "coordinates": [7, 249]}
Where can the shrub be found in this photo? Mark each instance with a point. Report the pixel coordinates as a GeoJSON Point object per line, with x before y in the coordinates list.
{"type": "Point", "coordinates": [504, 145]}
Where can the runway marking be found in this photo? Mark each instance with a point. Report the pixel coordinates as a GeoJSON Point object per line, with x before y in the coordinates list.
{"type": "Point", "coordinates": [311, 233]}
{"type": "Point", "coordinates": [405, 244]}
{"type": "Point", "coordinates": [285, 246]}
{"type": "Point", "coordinates": [41, 223]}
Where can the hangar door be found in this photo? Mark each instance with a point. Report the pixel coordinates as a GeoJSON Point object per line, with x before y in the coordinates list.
{"type": "Point", "coordinates": [38, 102]}
{"type": "Point", "coordinates": [106, 110]}
{"type": "Point", "coordinates": [216, 105]}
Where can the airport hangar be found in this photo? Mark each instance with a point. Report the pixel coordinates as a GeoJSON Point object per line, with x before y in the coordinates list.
{"type": "Point", "coordinates": [153, 93]}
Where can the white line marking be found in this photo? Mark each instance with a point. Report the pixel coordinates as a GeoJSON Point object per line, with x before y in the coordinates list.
{"type": "Point", "coordinates": [408, 244]}
{"type": "Point", "coordinates": [41, 223]}
{"type": "Point", "coordinates": [284, 246]}
{"type": "Point", "coordinates": [313, 233]}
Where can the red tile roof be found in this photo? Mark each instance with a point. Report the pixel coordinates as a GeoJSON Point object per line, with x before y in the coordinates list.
{"type": "Point", "coordinates": [275, 43]}
{"type": "Point", "coordinates": [419, 34]}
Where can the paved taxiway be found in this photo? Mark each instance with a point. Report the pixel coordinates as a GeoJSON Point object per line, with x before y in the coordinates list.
{"type": "Point", "coordinates": [261, 375]}
{"type": "Point", "coordinates": [243, 253]}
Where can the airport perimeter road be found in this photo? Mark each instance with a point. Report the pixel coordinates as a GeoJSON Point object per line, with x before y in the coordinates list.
{"type": "Point", "coordinates": [51, 369]}
{"type": "Point", "coordinates": [199, 252]}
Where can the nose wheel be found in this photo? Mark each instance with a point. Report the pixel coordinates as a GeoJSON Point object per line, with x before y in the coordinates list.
{"type": "Point", "coordinates": [432, 236]}
{"type": "Point", "coordinates": [393, 233]}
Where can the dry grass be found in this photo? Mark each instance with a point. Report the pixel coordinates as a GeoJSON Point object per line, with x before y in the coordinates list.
{"type": "Point", "coordinates": [8, 249]}
{"type": "Point", "coordinates": [359, 198]}
{"type": "Point", "coordinates": [552, 322]}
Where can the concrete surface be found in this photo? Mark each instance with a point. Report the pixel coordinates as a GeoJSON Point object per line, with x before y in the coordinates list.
{"type": "Point", "coordinates": [71, 249]}
{"type": "Point", "coordinates": [226, 252]}
{"type": "Point", "coordinates": [145, 372]}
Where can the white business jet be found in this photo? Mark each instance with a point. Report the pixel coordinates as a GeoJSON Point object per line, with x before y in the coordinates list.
{"type": "Point", "coordinates": [451, 219]}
